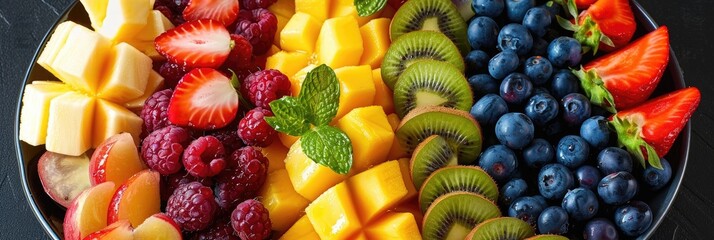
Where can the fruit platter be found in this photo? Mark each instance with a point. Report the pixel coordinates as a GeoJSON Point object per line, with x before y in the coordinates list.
{"type": "Point", "coordinates": [354, 119]}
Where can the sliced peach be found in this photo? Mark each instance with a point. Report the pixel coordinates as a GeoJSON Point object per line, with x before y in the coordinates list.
{"type": "Point", "coordinates": [136, 199]}
{"type": "Point", "coordinates": [63, 177]}
{"type": "Point", "coordinates": [115, 160]}
{"type": "Point", "coordinates": [158, 227]}
{"type": "Point", "coordinates": [88, 212]}
{"type": "Point", "coordinates": [120, 230]}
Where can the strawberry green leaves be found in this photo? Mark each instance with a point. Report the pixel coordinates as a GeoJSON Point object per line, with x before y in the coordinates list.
{"type": "Point", "coordinates": [369, 7]}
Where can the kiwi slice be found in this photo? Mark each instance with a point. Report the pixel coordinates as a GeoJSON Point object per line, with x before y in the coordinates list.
{"type": "Point", "coordinates": [431, 83]}
{"type": "Point", "coordinates": [416, 46]}
{"type": "Point", "coordinates": [453, 215]}
{"type": "Point", "coordinates": [457, 179]}
{"type": "Point", "coordinates": [430, 155]}
{"type": "Point", "coordinates": [501, 228]}
{"type": "Point", "coordinates": [458, 127]}
{"type": "Point", "coordinates": [547, 237]}
{"type": "Point", "coordinates": [431, 15]}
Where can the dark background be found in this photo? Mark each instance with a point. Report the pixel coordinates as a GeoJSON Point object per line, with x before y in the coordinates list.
{"type": "Point", "coordinates": [23, 24]}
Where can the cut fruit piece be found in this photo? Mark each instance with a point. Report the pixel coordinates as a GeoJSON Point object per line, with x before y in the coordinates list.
{"type": "Point", "coordinates": [127, 74]}
{"type": "Point", "coordinates": [121, 230]}
{"type": "Point", "coordinates": [431, 83]}
{"type": "Point", "coordinates": [96, 10]}
{"type": "Point", "coordinates": [54, 45]}
{"type": "Point", "coordinates": [302, 229]}
{"type": "Point", "coordinates": [158, 227]}
{"type": "Point", "coordinates": [309, 178]}
{"type": "Point", "coordinates": [285, 8]}
{"type": "Point", "coordinates": [115, 160]}
{"type": "Point", "coordinates": [203, 99]}
{"type": "Point", "coordinates": [319, 9]}
{"type": "Point", "coordinates": [394, 226]}
{"type": "Point", "coordinates": [276, 154]}
{"type": "Point", "coordinates": [416, 46]}
{"type": "Point", "coordinates": [111, 119]}
{"type": "Point", "coordinates": [63, 177]}
{"type": "Point", "coordinates": [223, 11]}
{"type": "Point", "coordinates": [370, 135]}
{"type": "Point", "coordinates": [453, 215]}
{"type": "Point", "coordinates": [81, 60]}
{"type": "Point", "coordinates": [69, 128]}
{"type": "Point", "coordinates": [547, 237]}
{"type": "Point", "coordinates": [339, 43]}
{"type": "Point", "coordinates": [346, 8]}
{"type": "Point", "coordinates": [300, 33]}
{"type": "Point", "coordinates": [282, 21]}
{"type": "Point", "coordinates": [287, 140]}
{"type": "Point", "coordinates": [454, 179]}
{"type": "Point", "coordinates": [431, 15]}
{"type": "Point", "coordinates": [413, 208]}
{"type": "Point", "coordinates": [459, 129]}
{"type": "Point", "coordinates": [397, 151]}
{"type": "Point", "coordinates": [501, 228]}
{"type": "Point", "coordinates": [34, 115]}
{"type": "Point", "coordinates": [377, 189]}
{"type": "Point", "coordinates": [88, 212]}
{"type": "Point", "coordinates": [156, 24]}
{"type": "Point", "coordinates": [155, 82]}
{"type": "Point", "coordinates": [406, 174]}
{"type": "Point", "coordinates": [124, 19]}
{"type": "Point", "coordinates": [382, 93]}
{"type": "Point", "coordinates": [431, 155]}
{"type": "Point", "coordinates": [196, 44]}
{"type": "Point", "coordinates": [287, 63]}
{"type": "Point", "coordinates": [333, 215]}
{"type": "Point", "coordinates": [278, 196]}
{"type": "Point", "coordinates": [375, 37]}
{"type": "Point", "coordinates": [137, 199]}
{"type": "Point", "coordinates": [465, 9]}
{"type": "Point", "coordinates": [356, 88]}
{"type": "Point", "coordinates": [297, 79]}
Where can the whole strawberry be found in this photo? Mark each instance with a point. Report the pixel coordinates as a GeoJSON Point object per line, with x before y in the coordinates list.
{"type": "Point", "coordinates": [243, 177]}
{"type": "Point", "coordinates": [265, 86]}
{"type": "Point", "coordinates": [254, 130]}
{"type": "Point", "coordinates": [251, 220]}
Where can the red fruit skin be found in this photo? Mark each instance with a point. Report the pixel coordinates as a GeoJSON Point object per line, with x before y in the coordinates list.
{"type": "Point", "coordinates": [241, 54]}
{"type": "Point", "coordinates": [614, 19]}
{"type": "Point", "coordinates": [204, 157]}
{"type": "Point", "coordinates": [583, 4]}
{"type": "Point", "coordinates": [202, 43]}
{"type": "Point", "coordinates": [224, 11]}
{"type": "Point", "coordinates": [259, 27]}
{"type": "Point", "coordinates": [203, 99]}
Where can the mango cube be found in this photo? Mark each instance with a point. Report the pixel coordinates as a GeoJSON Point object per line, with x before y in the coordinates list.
{"type": "Point", "coordinates": [35, 110]}
{"type": "Point", "coordinates": [287, 63]}
{"type": "Point", "coordinates": [339, 43]}
{"type": "Point", "coordinates": [405, 166]}
{"type": "Point", "coordinates": [397, 151]}
{"type": "Point", "coordinates": [96, 10]}
{"type": "Point", "coordinates": [287, 140]}
{"type": "Point", "coordinates": [81, 60]}
{"type": "Point", "coordinates": [377, 189]}
{"type": "Point", "coordinates": [394, 226]}
{"type": "Point", "coordinates": [69, 128]}
{"type": "Point", "coordinates": [297, 79]}
{"type": "Point", "coordinates": [54, 45]}
{"type": "Point", "coordinates": [282, 21]}
{"type": "Point", "coordinates": [276, 154]}
{"type": "Point", "coordinates": [111, 119]}
{"type": "Point", "coordinates": [383, 95]}
{"type": "Point", "coordinates": [309, 178]}
{"type": "Point", "coordinates": [370, 134]}
{"type": "Point", "coordinates": [127, 74]}
{"type": "Point", "coordinates": [125, 19]}
{"type": "Point", "coordinates": [278, 196]}
{"type": "Point", "coordinates": [356, 88]}
{"type": "Point", "coordinates": [300, 33]}
{"type": "Point", "coordinates": [375, 36]}
{"type": "Point", "coordinates": [155, 81]}
{"type": "Point", "coordinates": [333, 214]}
{"type": "Point", "coordinates": [359, 236]}
{"type": "Point", "coordinates": [302, 229]}
{"type": "Point", "coordinates": [342, 8]}
{"type": "Point", "coordinates": [285, 8]}
{"type": "Point", "coordinates": [320, 9]}
{"type": "Point", "coordinates": [410, 207]}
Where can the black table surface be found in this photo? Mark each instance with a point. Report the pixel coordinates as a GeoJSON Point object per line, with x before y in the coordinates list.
{"type": "Point", "coordinates": [23, 24]}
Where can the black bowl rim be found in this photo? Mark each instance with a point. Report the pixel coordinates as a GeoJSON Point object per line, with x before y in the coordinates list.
{"type": "Point", "coordinates": [643, 18]}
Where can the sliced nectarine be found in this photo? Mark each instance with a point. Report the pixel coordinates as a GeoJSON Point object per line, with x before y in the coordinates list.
{"type": "Point", "coordinates": [63, 177]}
{"type": "Point", "coordinates": [115, 160]}
{"type": "Point", "coordinates": [136, 199]}
{"type": "Point", "coordinates": [158, 227]}
{"type": "Point", "coordinates": [120, 230]}
{"type": "Point", "coordinates": [88, 212]}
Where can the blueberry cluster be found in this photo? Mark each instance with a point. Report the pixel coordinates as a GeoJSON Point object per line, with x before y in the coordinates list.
{"type": "Point", "coordinates": [540, 129]}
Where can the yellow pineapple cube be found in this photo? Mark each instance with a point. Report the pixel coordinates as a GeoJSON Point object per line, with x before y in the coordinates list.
{"type": "Point", "coordinates": [339, 43]}
{"type": "Point", "coordinates": [375, 36]}
{"type": "Point", "coordinates": [285, 8]}
{"type": "Point", "coordinates": [356, 88]}
{"type": "Point", "coordinates": [282, 21]}
{"type": "Point", "coordinates": [276, 154]}
{"type": "Point", "coordinates": [111, 119]}
{"type": "Point", "coordinates": [69, 128]}
{"type": "Point", "coordinates": [125, 19]}
{"type": "Point", "coordinates": [156, 24]}
{"type": "Point", "coordinates": [341, 8]}
{"type": "Point", "coordinates": [35, 110]}
{"type": "Point", "coordinates": [80, 62]}
{"type": "Point", "coordinates": [320, 9]}
{"type": "Point", "coordinates": [154, 82]}
{"type": "Point", "coordinates": [302, 229]}
{"type": "Point", "coordinates": [279, 197]}
{"type": "Point", "coordinates": [383, 95]}
{"type": "Point", "coordinates": [377, 189]}
{"type": "Point", "coordinates": [287, 63]}
{"type": "Point", "coordinates": [333, 214]}
{"type": "Point", "coordinates": [370, 134]}
{"type": "Point", "coordinates": [54, 45]}
{"type": "Point", "coordinates": [127, 74]}
{"type": "Point", "coordinates": [300, 33]}
{"type": "Point", "coordinates": [405, 166]}
{"type": "Point", "coordinates": [309, 178]}
{"type": "Point", "coordinates": [96, 10]}
{"type": "Point", "coordinates": [394, 226]}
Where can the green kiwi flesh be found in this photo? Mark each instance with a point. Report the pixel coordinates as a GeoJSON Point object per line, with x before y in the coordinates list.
{"type": "Point", "coordinates": [547, 237]}
{"type": "Point", "coordinates": [452, 215]}
{"type": "Point", "coordinates": [416, 46]}
{"type": "Point", "coordinates": [431, 83]}
{"type": "Point", "coordinates": [501, 228]}
{"type": "Point", "coordinates": [431, 155]}
{"type": "Point", "coordinates": [431, 15]}
{"type": "Point", "coordinates": [457, 179]}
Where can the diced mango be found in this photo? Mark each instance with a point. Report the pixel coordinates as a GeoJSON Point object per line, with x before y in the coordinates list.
{"type": "Point", "coordinates": [405, 166]}
{"type": "Point", "coordinates": [35, 110]}
{"type": "Point", "coordinates": [96, 10]}
{"type": "Point", "coordinates": [81, 60]}
{"type": "Point", "coordinates": [276, 154]}
{"type": "Point", "coordinates": [397, 151]}
{"type": "Point", "coordinates": [309, 178]}
{"type": "Point", "coordinates": [111, 119]}
{"type": "Point", "coordinates": [342, 8]}
{"type": "Point", "coordinates": [413, 208]}
{"type": "Point", "coordinates": [297, 79]}
{"type": "Point", "coordinates": [127, 74]}
{"type": "Point", "coordinates": [377, 189]}
{"type": "Point", "coordinates": [383, 95]}
{"type": "Point", "coordinates": [356, 88]}
{"type": "Point", "coordinates": [69, 128]}
{"type": "Point", "coordinates": [155, 81]}
{"type": "Point", "coordinates": [125, 19]}
{"type": "Point", "coordinates": [279, 197]}
{"type": "Point", "coordinates": [394, 226]}
{"type": "Point", "coordinates": [359, 236]}
{"type": "Point", "coordinates": [339, 43]}
{"type": "Point", "coordinates": [287, 140]}
{"type": "Point", "coordinates": [320, 9]}
{"type": "Point", "coordinates": [282, 21]}
{"type": "Point", "coordinates": [300, 33]}
{"type": "Point", "coordinates": [394, 121]}
{"type": "Point", "coordinates": [370, 134]}
{"type": "Point", "coordinates": [54, 45]}
{"type": "Point", "coordinates": [375, 36]}
{"type": "Point", "coordinates": [285, 8]}
{"type": "Point", "coordinates": [333, 214]}
{"type": "Point", "coordinates": [287, 63]}
{"type": "Point", "coordinates": [302, 229]}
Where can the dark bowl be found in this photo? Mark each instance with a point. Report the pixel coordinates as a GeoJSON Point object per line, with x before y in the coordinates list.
{"type": "Point", "coordinates": [51, 214]}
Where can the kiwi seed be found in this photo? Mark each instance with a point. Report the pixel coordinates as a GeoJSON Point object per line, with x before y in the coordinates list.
{"type": "Point", "coordinates": [431, 15]}
{"type": "Point", "coordinates": [430, 155]}
{"type": "Point", "coordinates": [431, 83]}
{"type": "Point", "coordinates": [501, 228]}
{"type": "Point", "coordinates": [453, 215]}
{"type": "Point", "coordinates": [457, 178]}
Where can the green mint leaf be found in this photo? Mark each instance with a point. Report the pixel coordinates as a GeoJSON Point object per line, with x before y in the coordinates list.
{"type": "Point", "coordinates": [320, 95]}
{"type": "Point", "coordinates": [369, 7]}
{"type": "Point", "coordinates": [330, 147]}
{"type": "Point", "coordinates": [291, 116]}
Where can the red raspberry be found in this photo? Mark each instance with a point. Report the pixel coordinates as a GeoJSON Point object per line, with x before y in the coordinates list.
{"type": "Point", "coordinates": [243, 177]}
{"type": "Point", "coordinates": [241, 55]}
{"type": "Point", "coordinates": [259, 27]}
{"type": "Point", "coordinates": [171, 182]}
{"type": "Point", "coordinates": [229, 137]}
{"type": "Point", "coordinates": [220, 230]}
{"type": "Point", "coordinates": [254, 130]}
{"type": "Point", "coordinates": [162, 149]}
{"type": "Point", "coordinates": [192, 206]}
{"type": "Point", "coordinates": [172, 73]}
{"type": "Point", "coordinates": [251, 220]}
{"type": "Point", "coordinates": [263, 87]}
{"type": "Point", "coordinates": [204, 157]}
{"type": "Point", "coordinates": [255, 4]}
{"type": "Point", "coordinates": [155, 112]}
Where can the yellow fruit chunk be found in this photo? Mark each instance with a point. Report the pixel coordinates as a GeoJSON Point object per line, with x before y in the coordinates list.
{"type": "Point", "coordinates": [413, 208]}
{"type": "Point", "coordinates": [309, 178]}
{"type": "Point", "coordinates": [302, 229]}
{"type": "Point", "coordinates": [127, 74]}
{"type": "Point", "coordinates": [356, 88]}
{"type": "Point", "coordinates": [285, 8]}
{"type": "Point", "coordinates": [125, 19]}
{"type": "Point", "coordinates": [81, 60]}
{"type": "Point", "coordinates": [375, 35]}
{"type": "Point", "coordinates": [339, 43]}
{"type": "Point", "coordinates": [54, 45]}
{"type": "Point", "coordinates": [370, 134]}
{"type": "Point", "coordinates": [397, 151]}
{"type": "Point", "coordinates": [276, 154]}
{"type": "Point", "coordinates": [111, 119]}
{"type": "Point", "coordinates": [383, 95]}
{"type": "Point", "coordinates": [69, 128]}
{"type": "Point", "coordinates": [342, 8]}
{"type": "Point", "coordinates": [377, 189]}
{"type": "Point", "coordinates": [279, 197]}
{"type": "Point", "coordinates": [300, 33]}
{"type": "Point", "coordinates": [359, 236]}
{"type": "Point", "coordinates": [333, 214]}
{"type": "Point", "coordinates": [319, 9]}
{"type": "Point", "coordinates": [297, 79]}
{"type": "Point", "coordinates": [405, 167]}
{"type": "Point", "coordinates": [394, 226]}
{"type": "Point", "coordinates": [35, 110]}
{"type": "Point", "coordinates": [287, 63]}
{"type": "Point", "coordinates": [287, 140]}
{"type": "Point", "coordinates": [156, 24]}
{"type": "Point", "coordinates": [154, 82]}
{"type": "Point", "coordinates": [96, 10]}
{"type": "Point", "coordinates": [282, 21]}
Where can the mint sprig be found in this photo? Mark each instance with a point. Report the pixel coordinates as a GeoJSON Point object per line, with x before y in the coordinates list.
{"type": "Point", "coordinates": [309, 116]}
{"type": "Point", "coordinates": [369, 7]}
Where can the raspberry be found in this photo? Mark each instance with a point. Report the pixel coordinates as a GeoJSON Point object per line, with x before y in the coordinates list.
{"type": "Point", "coordinates": [172, 73]}
{"type": "Point", "coordinates": [220, 230]}
{"type": "Point", "coordinates": [192, 206]}
{"type": "Point", "coordinates": [171, 182]}
{"type": "Point", "coordinates": [204, 157]}
{"type": "Point", "coordinates": [263, 87]}
{"type": "Point", "coordinates": [162, 149]}
{"type": "Point", "coordinates": [229, 137]}
{"type": "Point", "coordinates": [255, 4]}
{"type": "Point", "coordinates": [241, 55]}
{"type": "Point", "coordinates": [245, 174]}
{"type": "Point", "coordinates": [254, 130]}
{"type": "Point", "coordinates": [259, 27]}
{"type": "Point", "coordinates": [155, 112]}
{"type": "Point", "coordinates": [251, 220]}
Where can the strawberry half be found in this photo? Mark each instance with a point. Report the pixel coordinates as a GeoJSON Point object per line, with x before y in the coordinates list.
{"type": "Point", "coordinates": [195, 44]}
{"type": "Point", "coordinates": [606, 24]}
{"type": "Point", "coordinates": [649, 130]}
{"type": "Point", "coordinates": [204, 99]}
{"type": "Point", "coordinates": [627, 77]}
{"type": "Point", "coordinates": [224, 11]}
{"type": "Point", "coordinates": [583, 4]}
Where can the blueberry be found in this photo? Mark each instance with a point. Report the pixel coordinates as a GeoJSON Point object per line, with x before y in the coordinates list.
{"type": "Point", "coordinates": [655, 178]}
{"type": "Point", "coordinates": [613, 159]}
{"type": "Point", "coordinates": [498, 161]}
{"type": "Point", "coordinates": [553, 8]}
{"type": "Point", "coordinates": [538, 153]}
{"type": "Point", "coordinates": [617, 188]}
{"type": "Point", "coordinates": [572, 151]}
{"type": "Point", "coordinates": [538, 69]}
{"type": "Point", "coordinates": [483, 33]}
{"type": "Point", "coordinates": [542, 108]}
{"type": "Point", "coordinates": [502, 64]}
{"type": "Point", "coordinates": [490, 8]}
{"type": "Point", "coordinates": [540, 90]}
{"type": "Point", "coordinates": [576, 108]}
{"type": "Point", "coordinates": [527, 209]}
{"type": "Point", "coordinates": [477, 61]}
{"type": "Point", "coordinates": [512, 190]}
{"type": "Point", "coordinates": [563, 83]}
{"type": "Point", "coordinates": [516, 9]}
{"type": "Point", "coordinates": [554, 180]}
{"type": "Point", "coordinates": [600, 229]}
{"type": "Point", "coordinates": [553, 220]}
{"type": "Point", "coordinates": [537, 20]}
{"type": "Point", "coordinates": [514, 130]}
{"type": "Point", "coordinates": [483, 84]}
{"type": "Point", "coordinates": [515, 37]}
{"type": "Point", "coordinates": [540, 47]}
{"type": "Point", "coordinates": [540, 199]}
{"type": "Point", "coordinates": [634, 218]}
{"type": "Point", "coordinates": [489, 109]}
{"type": "Point", "coordinates": [587, 177]}
{"type": "Point", "coordinates": [596, 132]}
{"type": "Point", "coordinates": [564, 52]}
{"type": "Point", "coordinates": [516, 88]}
{"type": "Point", "coordinates": [581, 204]}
